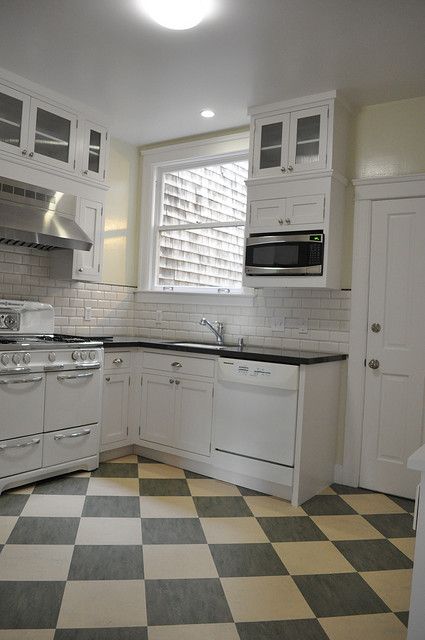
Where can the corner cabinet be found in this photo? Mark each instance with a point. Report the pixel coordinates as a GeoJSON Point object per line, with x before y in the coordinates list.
{"type": "Point", "coordinates": [47, 135]}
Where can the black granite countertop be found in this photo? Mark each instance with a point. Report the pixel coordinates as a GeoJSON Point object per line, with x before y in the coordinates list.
{"type": "Point", "coordinates": [248, 352]}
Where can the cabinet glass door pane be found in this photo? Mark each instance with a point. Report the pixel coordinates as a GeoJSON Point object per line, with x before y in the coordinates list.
{"type": "Point", "coordinates": [308, 140]}
{"type": "Point", "coordinates": [271, 145]}
{"type": "Point", "coordinates": [10, 119]}
{"type": "Point", "coordinates": [52, 135]}
{"type": "Point", "coordinates": [94, 151]}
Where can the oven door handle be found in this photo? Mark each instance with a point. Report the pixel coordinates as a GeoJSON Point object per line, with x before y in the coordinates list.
{"type": "Point", "coordinates": [74, 376]}
{"type": "Point", "coordinates": [76, 434]}
{"type": "Point", "coordinates": [23, 381]}
{"type": "Point", "coordinates": [87, 366]}
{"type": "Point", "coordinates": [20, 445]}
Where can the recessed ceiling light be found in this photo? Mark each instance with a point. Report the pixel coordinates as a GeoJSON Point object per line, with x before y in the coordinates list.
{"type": "Point", "coordinates": [207, 113]}
{"type": "Point", "coordinates": [177, 14]}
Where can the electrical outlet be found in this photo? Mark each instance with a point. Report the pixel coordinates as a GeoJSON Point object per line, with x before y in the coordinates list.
{"type": "Point", "coordinates": [158, 317]}
{"type": "Point", "coordinates": [277, 323]}
{"type": "Point", "coordinates": [303, 327]}
{"type": "Point", "coordinates": [87, 313]}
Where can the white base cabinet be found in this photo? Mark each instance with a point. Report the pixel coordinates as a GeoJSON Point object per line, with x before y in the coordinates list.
{"type": "Point", "coordinates": [115, 407]}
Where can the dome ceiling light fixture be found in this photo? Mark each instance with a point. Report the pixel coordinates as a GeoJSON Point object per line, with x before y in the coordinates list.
{"type": "Point", "coordinates": [177, 14]}
{"type": "Point", "coordinates": [207, 113]}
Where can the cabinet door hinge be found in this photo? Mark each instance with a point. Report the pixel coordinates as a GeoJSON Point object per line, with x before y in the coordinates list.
{"type": "Point", "coordinates": [129, 380]}
{"type": "Point", "coordinates": [101, 211]}
{"type": "Point", "coordinates": [76, 125]}
{"type": "Point", "coordinates": [74, 164]}
{"type": "Point", "coordinates": [364, 362]}
{"type": "Point", "coordinates": [98, 268]}
{"type": "Point", "coordinates": [104, 173]}
{"type": "Point", "coordinates": [126, 430]}
{"type": "Point", "coordinates": [141, 380]}
{"type": "Point", "coordinates": [106, 135]}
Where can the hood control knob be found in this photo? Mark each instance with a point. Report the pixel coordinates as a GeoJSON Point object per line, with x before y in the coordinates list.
{"type": "Point", "coordinates": [5, 359]}
{"type": "Point", "coordinates": [16, 358]}
{"type": "Point", "coordinates": [84, 355]}
{"type": "Point", "coordinates": [75, 355]}
{"type": "Point", "coordinates": [52, 356]}
{"type": "Point", "coordinates": [27, 358]}
{"type": "Point", "coordinates": [92, 355]}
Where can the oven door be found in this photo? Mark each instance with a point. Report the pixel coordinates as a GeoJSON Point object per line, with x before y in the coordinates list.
{"type": "Point", "coordinates": [72, 398]}
{"type": "Point", "coordinates": [21, 404]}
{"type": "Point", "coordinates": [284, 255]}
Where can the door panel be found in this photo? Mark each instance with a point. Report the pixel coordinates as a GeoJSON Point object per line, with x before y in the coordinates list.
{"type": "Point", "coordinates": [194, 416]}
{"type": "Point", "coordinates": [157, 417]}
{"type": "Point", "coordinates": [14, 115]}
{"type": "Point", "coordinates": [115, 407]}
{"type": "Point", "coordinates": [270, 149]}
{"type": "Point", "coordinates": [87, 263]}
{"type": "Point", "coordinates": [308, 139]}
{"type": "Point", "coordinates": [95, 141]}
{"type": "Point", "coordinates": [394, 395]}
{"type": "Point", "coordinates": [52, 134]}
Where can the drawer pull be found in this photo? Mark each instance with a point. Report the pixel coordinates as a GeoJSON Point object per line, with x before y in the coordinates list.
{"type": "Point", "coordinates": [24, 381]}
{"type": "Point", "coordinates": [177, 365]}
{"type": "Point", "coordinates": [76, 434]}
{"type": "Point", "coordinates": [75, 376]}
{"type": "Point", "coordinates": [20, 445]}
{"type": "Point", "coordinates": [117, 361]}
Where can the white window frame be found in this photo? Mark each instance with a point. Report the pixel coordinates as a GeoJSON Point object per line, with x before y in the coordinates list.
{"type": "Point", "coordinates": [155, 162]}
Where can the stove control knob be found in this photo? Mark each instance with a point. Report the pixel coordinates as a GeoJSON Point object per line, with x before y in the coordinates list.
{"type": "Point", "coordinates": [16, 358]}
{"type": "Point", "coordinates": [92, 355]}
{"type": "Point", "coordinates": [5, 359]}
{"type": "Point", "coordinates": [52, 356]}
{"type": "Point", "coordinates": [27, 358]}
{"type": "Point", "coordinates": [84, 355]}
{"type": "Point", "coordinates": [75, 355]}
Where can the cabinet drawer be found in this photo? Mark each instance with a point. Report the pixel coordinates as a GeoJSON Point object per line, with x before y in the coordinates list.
{"type": "Point", "coordinates": [70, 444]}
{"type": "Point", "coordinates": [72, 398]}
{"type": "Point", "coordinates": [302, 210]}
{"type": "Point", "coordinates": [117, 360]}
{"type": "Point", "coordinates": [178, 364]}
{"type": "Point", "coordinates": [22, 404]}
{"type": "Point", "coordinates": [20, 454]}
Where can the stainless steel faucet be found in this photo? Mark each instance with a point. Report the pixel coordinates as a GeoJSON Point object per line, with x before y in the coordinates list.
{"type": "Point", "coordinates": [217, 330]}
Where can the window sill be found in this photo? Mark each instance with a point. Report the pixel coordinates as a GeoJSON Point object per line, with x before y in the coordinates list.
{"type": "Point", "coordinates": [245, 299]}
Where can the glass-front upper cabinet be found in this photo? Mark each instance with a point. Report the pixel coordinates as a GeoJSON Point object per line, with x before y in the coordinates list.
{"type": "Point", "coordinates": [308, 139]}
{"type": "Point", "coordinates": [94, 151]}
{"type": "Point", "coordinates": [52, 135]}
{"type": "Point", "coordinates": [14, 112]}
{"type": "Point", "coordinates": [270, 152]}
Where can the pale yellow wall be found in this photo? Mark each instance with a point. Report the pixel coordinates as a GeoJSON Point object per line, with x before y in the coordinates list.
{"type": "Point", "coordinates": [390, 139]}
{"type": "Point", "coordinates": [120, 260]}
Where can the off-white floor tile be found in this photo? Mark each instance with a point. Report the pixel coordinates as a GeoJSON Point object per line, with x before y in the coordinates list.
{"type": "Point", "coordinates": [6, 525]}
{"type": "Point", "coordinates": [406, 545]}
{"type": "Point", "coordinates": [378, 626]}
{"type": "Point", "coordinates": [109, 531]}
{"type": "Point", "coordinates": [167, 507]}
{"type": "Point", "coordinates": [372, 503]}
{"type": "Point", "coordinates": [35, 562]}
{"type": "Point", "coordinates": [103, 603]}
{"type": "Point", "coordinates": [113, 487]}
{"type": "Point", "coordinates": [200, 487]}
{"type": "Point", "coordinates": [164, 561]}
{"type": "Point", "coordinates": [267, 506]}
{"type": "Point", "coordinates": [312, 558]}
{"type": "Point", "coordinates": [393, 587]}
{"type": "Point", "coordinates": [265, 598]}
{"type": "Point", "coordinates": [346, 528]}
{"type": "Point", "coordinates": [39, 505]}
{"type": "Point", "coordinates": [80, 474]}
{"type": "Point", "coordinates": [327, 491]}
{"type": "Point", "coordinates": [27, 634]}
{"type": "Point", "coordinates": [28, 488]}
{"type": "Point", "coordinates": [194, 632]}
{"type": "Point", "coordinates": [232, 530]}
{"type": "Point", "coordinates": [159, 471]}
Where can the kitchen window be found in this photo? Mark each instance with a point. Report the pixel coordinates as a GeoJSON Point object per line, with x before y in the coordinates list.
{"type": "Point", "coordinates": [198, 212]}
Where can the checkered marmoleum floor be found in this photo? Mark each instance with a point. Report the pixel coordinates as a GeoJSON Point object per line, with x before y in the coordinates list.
{"type": "Point", "coordinates": [139, 550]}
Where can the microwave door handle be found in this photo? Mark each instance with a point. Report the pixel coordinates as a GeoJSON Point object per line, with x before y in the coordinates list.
{"type": "Point", "coordinates": [250, 242]}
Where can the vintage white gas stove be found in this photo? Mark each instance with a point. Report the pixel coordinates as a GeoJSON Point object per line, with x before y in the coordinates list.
{"type": "Point", "coordinates": [50, 396]}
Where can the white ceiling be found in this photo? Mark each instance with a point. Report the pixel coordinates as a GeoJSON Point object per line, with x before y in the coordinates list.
{"type": "Point", "coordinates": [152, 82]}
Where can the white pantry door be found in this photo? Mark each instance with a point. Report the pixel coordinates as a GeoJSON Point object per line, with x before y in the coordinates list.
{"type": "Point", "coordinates": [393, 424]}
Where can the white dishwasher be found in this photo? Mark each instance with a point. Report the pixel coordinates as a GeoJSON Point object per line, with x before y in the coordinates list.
{"type": "Point", "coordinates": [255, 410]}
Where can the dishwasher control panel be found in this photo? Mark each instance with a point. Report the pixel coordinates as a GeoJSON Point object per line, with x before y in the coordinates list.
{"type": "Point", "coordinates": [265, 374]}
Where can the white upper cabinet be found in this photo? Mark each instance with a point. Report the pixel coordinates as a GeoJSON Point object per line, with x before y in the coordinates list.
{"type": "Point", "coordinates": [86, 264]}
{"type": "Point", "coordinates": [46, 134]}
{"type": "Point", "coordinates": [271, 145]}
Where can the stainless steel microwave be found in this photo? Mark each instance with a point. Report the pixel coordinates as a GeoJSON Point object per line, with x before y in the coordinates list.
{"type": "Point", "coordinates": [285, 254]}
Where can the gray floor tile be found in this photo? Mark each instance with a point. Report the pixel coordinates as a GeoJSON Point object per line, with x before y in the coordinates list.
{"type": "Point", "coordinates": [146, 460]}
{"type": "Point", "coordinates": [193, 475]}
{"type": "Point", "coordinates": [339, 594]}
{"type": "Point", "coordinates": [172, 531]}
{"type": "Point", "coordinates": [111, 507]}
{"type": "Point", "coordinates": [164, 487]}
{"type": "Point", "coordinates": [373, 555]}
{"type": "Point", "coordinates": [63, 485]}
{"type": "Point", "coordinates": [186, 602]}
{"type": "Point", "coordinates": [106, 562]}
{"type": "Point", "coordinates": [128, 633]}
{"type": "Point", "coordinates": [404, 503]}
{"type": "Point", "coordinates": [344, 489]}
{"type": "Point", "coordinates": [221, 507]}
{"type": "Point", "coordinates": [250, 492]}
{"type": "Point", "coordinates": [291, 529]}
{"type": "Point", "coordinates": [44, 531]}
{"type": "Point", "coordinates": [327, 506]}
{"type": "Point", "coordinates": [394, 525]}
{"type": "Point", "coordinates": [30, 605]}
{"type": "Point", "coordinates": [116, 470]}
{"type": "Point", "coordinates": [253, 559]}
{"type": "Point", "coordinates": [403, 616]}
{"type": "Point", "coordinates": [281, 630]}
{"type": "Point", "coordinates": [12, 505]}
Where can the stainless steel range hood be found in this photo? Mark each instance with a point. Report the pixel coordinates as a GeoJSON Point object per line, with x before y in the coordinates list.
{"type": "Point", "coordinates": [35, 217]}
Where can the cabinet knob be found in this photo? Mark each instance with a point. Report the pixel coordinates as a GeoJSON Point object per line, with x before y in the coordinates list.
{"type": "Point", "coordinates": [376, 327]}
{"type": "Point", "coordinates": [177, 365]}
{"type": "Point", "coordinates": [24, 152]}
{"type": "Point", "coordinates": [288, 220]}
{"type": "Point", "coordinates": [280, 220]}
{"type": "Point", "coordinates": [108, 379]}
{"type": "Point", "coordinates": [290, 168]}
{"type": "Point", "coordinates": [31, 154]}
{"type": "Point", "coordinates": [171, 380]}
{"type": "Point", "coordinates": [177, 382]}
{"type": "Point", "coordinates": [81, 269]}
{"type": "Point", "coordinates": [283, 169]}
{"type": "Point", "coordinates": [85, 172]}
{"type": "Point", "coordinates": [117, 361]}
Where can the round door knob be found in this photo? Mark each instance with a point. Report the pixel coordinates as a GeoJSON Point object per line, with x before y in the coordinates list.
{"type": "Point", "coordinates": [27, 358]}
{"type": "Point", "coordinates": [288, 220]}
{"type": "Point", "coordinates": [24, 152]}
{"type": "Point", "coordinates": [280, 220]}
{"type": "Point", "coordinates": [376, 327]}
{"type": "Point", "coordinates": [290, 168]}
{"type": "Point", "coordinates": [283, 169]}
{"type": "Point", "coordinates": [31, 154]}
{"type": "Point", "coordinates": [374, 364]}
